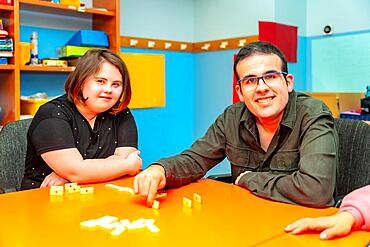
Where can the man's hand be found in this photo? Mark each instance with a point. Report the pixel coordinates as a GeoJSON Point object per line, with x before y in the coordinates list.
{"type": "Point", "coordinates": [150, 180]}
{"type": "Point", "coordinates": [330, 226]}
{"type": "Point", "coordinates": [53, 179]}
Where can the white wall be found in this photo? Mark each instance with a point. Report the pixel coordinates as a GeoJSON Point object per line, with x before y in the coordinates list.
{"type": "Point", "coordinates": [158, 19]}
{"type": "Point", "coordinates": [292, 12]}
{"type": "Point", "coordinates": [344, 15]}
{"type": "Point", "coordinates": [218, 19]}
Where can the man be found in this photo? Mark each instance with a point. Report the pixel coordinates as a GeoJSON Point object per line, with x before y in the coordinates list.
{"type": "Point", "coordinates": [281, 144]}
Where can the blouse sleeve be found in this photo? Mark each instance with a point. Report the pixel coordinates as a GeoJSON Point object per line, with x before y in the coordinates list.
{"type": "Point", "coordinates": [358, 204]}
{"type": "Point", "coordinates": [52, 134]}
{"type": "Point", "coordinates": [126, 130]}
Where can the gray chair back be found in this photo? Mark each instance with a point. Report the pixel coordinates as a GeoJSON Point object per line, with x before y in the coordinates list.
{"type": "Point", "coordinates": [13, 147]}
{"type": "Point", "coordinates": [354, 156]}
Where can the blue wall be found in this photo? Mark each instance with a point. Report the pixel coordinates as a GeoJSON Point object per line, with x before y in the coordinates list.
{"type": "Point", "coordinates": [168, 130]}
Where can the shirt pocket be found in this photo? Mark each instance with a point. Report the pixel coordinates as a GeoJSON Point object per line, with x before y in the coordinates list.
{"type": "Point", "coordinates": [285, 161]}
{"type": "Point", "coordinates": [241, 160]}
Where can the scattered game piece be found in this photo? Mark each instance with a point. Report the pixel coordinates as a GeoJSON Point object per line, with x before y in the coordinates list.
{"type": "Point", "coordinates": [186, 202]}
{"type": "Point", "coordinates": [161, 195]}
{"type": "Point", "coordinates": [73, 189]}
{"type": "Point", "coordinates": [86, 190]}
{"type": "Point", "coordinates": [155, 204]}
{"type": "Point", "coordinates": [153, 228]}
{"type": "Point", "coordinates": [119, 226]}
{"type": "Point", "coordinates": [89, 223]}
{"type": "Point", "coordinates": [119, 229]}
{"type": "Point", "coordinates": [197, 198]}
{"type": "Point", "coordinates": [119, 188]}
{"type": "Point", "coordinates": [69, 185]}
{"type": "Point", "coordinates": [56, 190]}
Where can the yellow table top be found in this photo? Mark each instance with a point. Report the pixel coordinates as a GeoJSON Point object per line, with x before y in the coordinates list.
{"type": "Point", "coordinates": [228, 216]}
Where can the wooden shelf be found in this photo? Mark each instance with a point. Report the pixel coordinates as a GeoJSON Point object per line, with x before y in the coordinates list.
{"type": "Point", "coordinates": [6, 7]}
{"type": "Point", "coordinates": [47, 68]}
{"type": "Point", "coordinates": [104, 17]}
{"type": "Point", "coordinates": [7, 67]}
{"type": "Point", "coordinates": [68, 8]}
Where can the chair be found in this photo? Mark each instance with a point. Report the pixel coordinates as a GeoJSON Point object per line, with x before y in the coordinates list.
{"type": "Point", "coordinates": [13, 146]}
{"type": "Point", "coordinates": [353, 155]}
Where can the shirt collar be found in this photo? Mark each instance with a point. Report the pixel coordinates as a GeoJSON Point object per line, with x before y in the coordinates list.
{"type": "Point", "coordinates": [289, 118]}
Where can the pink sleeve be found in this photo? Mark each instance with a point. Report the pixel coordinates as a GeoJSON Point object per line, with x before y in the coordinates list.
{"type": "Point", "coordinates": [358, 204]}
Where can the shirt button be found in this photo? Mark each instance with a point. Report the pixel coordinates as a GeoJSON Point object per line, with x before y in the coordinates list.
{"type": "Point", "coordinates": [59, 106]}
{"type": "Point", "coordinates": [102, 118]}
{"type": "Point", "coordinates": [115, 142]}
{"type": "Point", "coordinates": [33, 168]}
{"type": "Point", "coordinates": [108, 128]}
{"type": "Point", "coordinates": [75, 128]}
{"type": "Point", "coordinates": [43, 174]}
{"type": "Point", "coordinates": [58, 114]}
{"type": "Point", "coordinates": [77, 142]}
{"type": "Point", "coordinates": [33, 183]}
{"type": "Point", "coordinates": [84, 154]}
{"type": "Point", "coordinates": [99, 147]}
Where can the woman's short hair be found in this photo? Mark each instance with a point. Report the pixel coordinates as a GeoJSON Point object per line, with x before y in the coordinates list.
{"type": "Point", "coordinates": [88, 66]}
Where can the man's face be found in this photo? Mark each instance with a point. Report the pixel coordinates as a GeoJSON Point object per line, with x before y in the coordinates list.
{"type": "Point", "coordinates": [265, 102]}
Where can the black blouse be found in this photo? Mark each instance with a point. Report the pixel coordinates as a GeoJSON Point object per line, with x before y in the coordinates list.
{"type": "Point", "coordinates": [59, 125]}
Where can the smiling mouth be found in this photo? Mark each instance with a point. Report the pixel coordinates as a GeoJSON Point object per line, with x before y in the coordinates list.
{"type": "Point", "coordinates": [103, 97]}
{"type": "Point", "coordinates": [265, 100]}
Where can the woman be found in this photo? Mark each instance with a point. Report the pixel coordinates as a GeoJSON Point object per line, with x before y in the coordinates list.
{"type": "Point", "coordinates": [87, 135]}
{"type": "Point", "coordinates": [354, 214]}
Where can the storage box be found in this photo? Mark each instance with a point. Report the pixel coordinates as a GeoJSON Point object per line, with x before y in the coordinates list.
{"type": "Point", "coordinates": [25, 52]}
{"type": "Point", "coordinates": [30, 106]}
{"type": "Point", "coordinates": [73, 51]}
{"type": "Point", "coordinates": [89, 38]}
{"type": "Point", "coordinates": [70, 2]}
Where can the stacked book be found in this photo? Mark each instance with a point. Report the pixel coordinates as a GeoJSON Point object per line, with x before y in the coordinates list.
{"type": "Point", "coordinates": [6, 45]}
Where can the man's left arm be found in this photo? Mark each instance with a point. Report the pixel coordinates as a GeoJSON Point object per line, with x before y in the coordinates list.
{"type": "Point", "coordinates": [313, 183]}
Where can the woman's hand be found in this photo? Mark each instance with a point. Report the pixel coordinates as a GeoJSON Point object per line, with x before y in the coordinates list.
{"type": "Point", "coordinates": [330, 226]}
{"type": "Point", "coordinates": [53, 179]}
{"type": "Point", "coordinates": [134, 160]}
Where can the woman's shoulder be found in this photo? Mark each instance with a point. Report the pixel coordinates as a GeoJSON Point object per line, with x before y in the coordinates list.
{"type": "Point", "coordinates": [58, 107]}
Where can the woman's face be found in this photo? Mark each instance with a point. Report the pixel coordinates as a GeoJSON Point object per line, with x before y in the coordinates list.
{"type": "Point", "coordinates": [103, 90]}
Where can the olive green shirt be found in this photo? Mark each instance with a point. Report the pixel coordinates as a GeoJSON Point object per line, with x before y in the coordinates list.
{"type": "Point", "coordinates": [299, 165]}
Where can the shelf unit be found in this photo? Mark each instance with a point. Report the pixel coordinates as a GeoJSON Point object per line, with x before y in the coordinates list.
{"type": "Point", "coordinates": [105, 17]}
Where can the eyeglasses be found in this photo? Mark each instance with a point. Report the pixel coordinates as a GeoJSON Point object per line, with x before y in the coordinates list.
{"type": "Point", "coordinates": [250, 82]}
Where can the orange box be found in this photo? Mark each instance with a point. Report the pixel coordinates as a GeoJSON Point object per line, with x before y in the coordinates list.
{"type": "Point", "coordinates": [71, 2]}
{"type": "Point", "coordinates": [25, 51]}
{"type": "Point", "coordinates": [30, 106]}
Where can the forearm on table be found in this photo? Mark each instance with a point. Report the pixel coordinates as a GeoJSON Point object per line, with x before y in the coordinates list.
{"type": "Point", "coordinates": [296, 188]}
{"type": "Point", "coordinates": [97, 170]}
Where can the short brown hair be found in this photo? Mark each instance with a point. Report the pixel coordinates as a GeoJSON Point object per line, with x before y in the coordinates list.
{"type": "Point", "coordinates": [89, 65]}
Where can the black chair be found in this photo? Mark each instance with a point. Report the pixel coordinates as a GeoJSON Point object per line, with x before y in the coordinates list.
{"type": "Point", "coordinates": [13, 146]}
{"type": "Point", "coordinates": [353, 155]}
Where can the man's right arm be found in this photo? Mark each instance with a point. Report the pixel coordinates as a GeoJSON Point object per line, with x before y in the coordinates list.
{"type": "Point", "coordinates": [188, 166]}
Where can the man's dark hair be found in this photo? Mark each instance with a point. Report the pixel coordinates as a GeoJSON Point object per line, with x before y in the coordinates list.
{"type": "Point", "coordinates": [260, 47]}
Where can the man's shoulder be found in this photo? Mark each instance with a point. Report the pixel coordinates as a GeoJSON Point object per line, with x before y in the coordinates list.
{"type": "Point", "coordinates": [238, 107]}
{"type": "Point", "coordinates": [310, 105]}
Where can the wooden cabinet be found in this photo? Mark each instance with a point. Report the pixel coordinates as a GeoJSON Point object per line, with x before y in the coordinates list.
{"type": "Point", "coordinates": [104, 17]}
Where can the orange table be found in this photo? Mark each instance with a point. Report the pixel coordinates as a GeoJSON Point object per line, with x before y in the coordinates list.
{"type": "Point", "coordinates": [228, 216]}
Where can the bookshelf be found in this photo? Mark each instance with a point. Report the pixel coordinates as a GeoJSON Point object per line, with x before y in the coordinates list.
{"type": "Point", "coordinates": [104, 17]}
